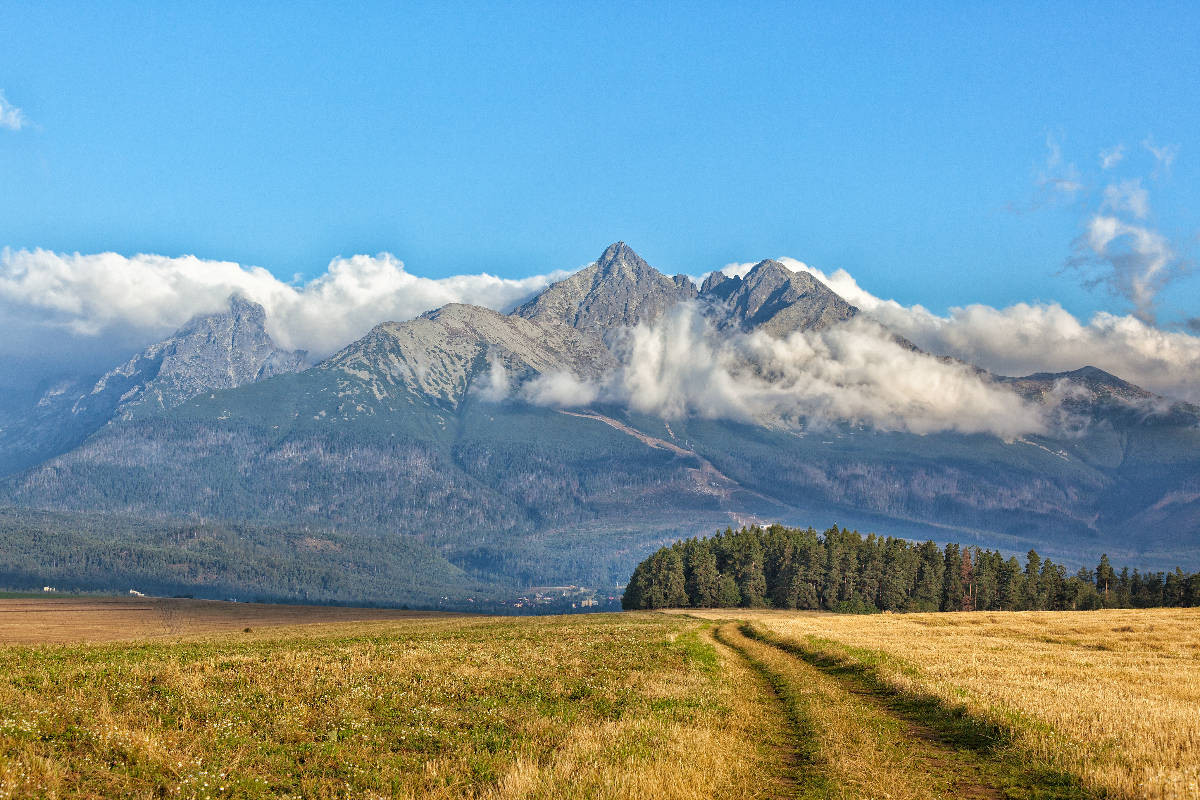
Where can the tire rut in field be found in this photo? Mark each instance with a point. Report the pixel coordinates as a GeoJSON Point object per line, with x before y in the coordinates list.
{"type": "Point", "coordinates": [805, 777]}
{"type": "Point", "coordinates": [962, 757]}
{"type": "Point", "coordinates": [851, 744]}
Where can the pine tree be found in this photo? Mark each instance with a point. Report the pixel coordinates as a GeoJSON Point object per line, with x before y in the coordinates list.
{"type": "Point", "coordinates": [953, 589]}
{"type": "Point", "coordinates": [728, 595]}
{"type": "Point", "coordinates": [748, 567]}
{"type": "Point", "coordinates": [1011, 585]}
{"type": "Point", "coordinates": [1105, 577]}
{"type": "Point", "coordinates": [968, 580]}
{"type": "Point", "coordinates": [1033, 600]}
{"type": "Point", "coordinates": [700, 574]}
{"type": "Point", "coordinates": [928, 588]}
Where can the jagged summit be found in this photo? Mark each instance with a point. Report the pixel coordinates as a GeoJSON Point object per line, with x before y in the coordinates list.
{"type": "Point", "coordinates": [620, 289]}
{"type": "Point", "coordinates": [773, 299]}
{"type": "Point", "coordinates": [620, 259]}
{"type": "Point", "coordinates": [222, 350]}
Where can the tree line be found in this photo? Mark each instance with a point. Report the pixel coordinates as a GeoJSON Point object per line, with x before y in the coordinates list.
{"type": "Point", "coordinates": [842, 570]}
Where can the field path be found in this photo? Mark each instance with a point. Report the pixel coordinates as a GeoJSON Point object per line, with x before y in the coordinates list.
{"type": "Point", "coordinates": [852, 739]}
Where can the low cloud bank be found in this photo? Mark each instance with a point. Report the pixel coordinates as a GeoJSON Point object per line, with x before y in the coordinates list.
{"type": "Point", "coordinates": [56, 306]}
{"type": "Point", "coordinates": [1033, 337]}
{"type": "Point", "coordinates": [853, 373]}
{"type": "Point", "coordinates": [135, 300]}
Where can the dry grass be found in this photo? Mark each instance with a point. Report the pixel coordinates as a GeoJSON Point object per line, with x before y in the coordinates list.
{"type": "Point", "coordinates": [853, 747]}
{"type": "Point", "coordinates": [99, 619]}
{"type": "Point", "coordinates": [612, 706]}
{"type": "Point", "coordinates": [1110, 696]}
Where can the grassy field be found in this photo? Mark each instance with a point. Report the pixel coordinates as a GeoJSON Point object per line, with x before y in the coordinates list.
{"type": "Point", "coordinates": [620, 706]}
{"type": "Point", "coordinates": [1112, 697]}
{"type": "Point", "coordinates": [188, 703]}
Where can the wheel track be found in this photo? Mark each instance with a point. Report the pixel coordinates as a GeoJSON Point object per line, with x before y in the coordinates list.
{"type": "Point", "coordinates": [855, 741]}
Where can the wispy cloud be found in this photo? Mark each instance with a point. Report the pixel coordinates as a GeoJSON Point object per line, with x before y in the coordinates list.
{"type": "Point", "coordinates": [1058, 175]}
{"type": "Point", "coordinates": [1127, 196]}
{"type": "Point", "coordinates": [1118, 247]}
{"type": "Point", "coordinates": [1164, 155]}
{"type": "Point", "coordinates": [1134, 261]}
{"type": "Point", "coordinates": [11, 117]}
{"type": "Point", "coordinates": [1112, 156]}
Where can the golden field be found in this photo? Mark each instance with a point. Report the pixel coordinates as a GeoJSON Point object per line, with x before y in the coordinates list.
{"type": "Point", "coordinates": [1110, 696]}
{"type": "Point", "coordinates": [619, 706]}
{"type": "Point", "coordinates": [184, 701]}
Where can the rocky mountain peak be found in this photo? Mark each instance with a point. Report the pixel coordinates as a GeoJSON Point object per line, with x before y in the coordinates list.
{"type": "Point", "coordinates": [1087, 385]}
{"type": "Point", "coordinates": [619, 260]}
{"type": "Point", "coordinates": [774, 299]}
{"type": "Point", "coordinates": [619, 289]}
{"type": "Point", "coordinates": [221, 350]}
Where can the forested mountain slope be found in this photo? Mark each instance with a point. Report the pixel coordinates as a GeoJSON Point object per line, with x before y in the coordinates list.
{"type": "Point", "coordinates": [430, 429]}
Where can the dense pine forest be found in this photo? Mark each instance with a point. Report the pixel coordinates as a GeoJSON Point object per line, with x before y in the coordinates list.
{"type": "Point", "coordinates": [841, 570]}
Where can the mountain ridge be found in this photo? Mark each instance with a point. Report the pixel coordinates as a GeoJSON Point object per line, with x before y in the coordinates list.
{"type": "Point", "coordinates": [420, 428]}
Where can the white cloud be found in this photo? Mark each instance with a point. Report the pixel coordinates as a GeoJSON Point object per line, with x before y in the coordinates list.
{"type": "Point", "coordinates": [853, 373]}
{"type": "Point", "coordinates": [1117, 248]}
{"type": "Point", "coordinates": [55, 305]}
{"type": "Point", "coordinates": [1164, 155]}
{"type": "Point", "coordinates": [1033, 337]}
{"type": "Point", "coordinates": [1058, 175]}
{"type": "Point", "coordinates": [140, 298]}
{"type": "Point", "coordinates": [11, 117]}
{"type": "Point", "coordinates": [1112, 156]}
{"type": "Point", "coordinates": [1134, 261]}
{"type": "Point", "coordinates": [1127, 196]}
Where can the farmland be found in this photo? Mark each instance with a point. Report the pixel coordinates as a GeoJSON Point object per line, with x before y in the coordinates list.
{"type": "Point", "coordinates": [730, 703]}
{"type": "Point", "coordinates": [1108, 696]}
{"type": "Point", "coordinates": [446, 706]}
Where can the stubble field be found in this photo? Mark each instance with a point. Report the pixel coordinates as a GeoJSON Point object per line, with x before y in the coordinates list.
{"type": "Point", "coordinates": [728, 704]}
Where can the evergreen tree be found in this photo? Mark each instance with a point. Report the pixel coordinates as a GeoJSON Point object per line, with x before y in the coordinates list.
{"type": "Point", "coordinates": [1011, 585]}
{"type": "Point", "coordinates": [953, 589]}
{"type": "Point", "coordinates": [728, 595]}
{"type": "Point", "coordinates": [843, 571]}
{"type": "Point", "coordinates": [701, 575]}
{"type": "Point", "coordinates": [1052, 583]}
{"type": "Point", "coordinates": [968, 580]}
{"type": "Point", "coordinates": [928, 587]}
{"type": "Point", "coordinates": [747, 556]}
{"type": "Point", "coordinates": [1033, 599]}
{"type": "Point", "coordinates": [899, 575]}
{"type": "Point", "coordinates": [1105, 578]}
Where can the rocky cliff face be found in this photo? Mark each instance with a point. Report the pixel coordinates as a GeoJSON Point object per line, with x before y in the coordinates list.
{"type": "Point", "coordinates": [214, 351]}
{"type": "Point", "coordinates": [773, 299]}
{"type": "Point", "coordinates": [620, 289]}
{"type": "Point", "coordinates": [443, 354]}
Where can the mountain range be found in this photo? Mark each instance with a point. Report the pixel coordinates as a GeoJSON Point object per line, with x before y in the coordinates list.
{"type": "Point", "coordinates": [463, 439]}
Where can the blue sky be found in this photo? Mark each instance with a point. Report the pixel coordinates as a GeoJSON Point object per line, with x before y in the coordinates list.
{"type": "Point", "coordinates": [912, 145]}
